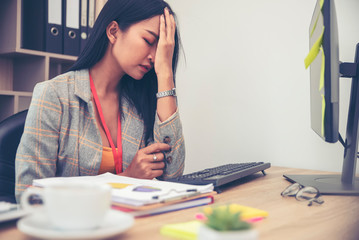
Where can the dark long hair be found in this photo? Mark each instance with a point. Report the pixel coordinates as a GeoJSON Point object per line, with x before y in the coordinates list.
{"type": "Point", "coordinates": [141, 94]}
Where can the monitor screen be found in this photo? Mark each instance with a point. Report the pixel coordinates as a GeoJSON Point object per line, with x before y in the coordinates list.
{"type": "Point", "coordinates": [324, 71]}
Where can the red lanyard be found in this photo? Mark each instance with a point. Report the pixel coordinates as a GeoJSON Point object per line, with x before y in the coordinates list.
{"type": "Point", "coordinates": [117, 154]}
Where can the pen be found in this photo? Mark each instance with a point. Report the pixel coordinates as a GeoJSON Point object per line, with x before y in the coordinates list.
{"type": "Point", "coordinates": [191, 192]}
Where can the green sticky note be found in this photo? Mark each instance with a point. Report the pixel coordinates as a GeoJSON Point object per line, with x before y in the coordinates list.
{"type": "Point", "coordinates": [185, 231]}
{"type": "Point", "coordinates": [322, 70]}
{"type": "Point", "coordinates": [313, 53]}
{"type": "Point", "coordinates": [321, 89]}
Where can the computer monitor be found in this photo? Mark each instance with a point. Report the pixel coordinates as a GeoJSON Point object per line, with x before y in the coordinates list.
{"type": "Point", "coordinates": [325, 72]}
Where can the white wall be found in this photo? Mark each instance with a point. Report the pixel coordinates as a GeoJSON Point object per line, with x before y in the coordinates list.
{"type": "Point", "coordinates": [243, 89]}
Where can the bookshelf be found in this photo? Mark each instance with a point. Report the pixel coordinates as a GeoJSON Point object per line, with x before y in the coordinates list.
{"type": "Point", "coordinates": [21, 69]}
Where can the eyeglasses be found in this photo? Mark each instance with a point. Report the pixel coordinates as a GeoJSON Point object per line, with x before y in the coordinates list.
{"type": "Point", "coordinates": [301, 193]}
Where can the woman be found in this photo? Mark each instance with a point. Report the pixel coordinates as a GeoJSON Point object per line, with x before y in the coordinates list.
{"type": "Point", "coordinates": [115, 110]}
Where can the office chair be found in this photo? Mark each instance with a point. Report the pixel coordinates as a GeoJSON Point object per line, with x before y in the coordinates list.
{"type": "Point", "coordinates": [11, 130]}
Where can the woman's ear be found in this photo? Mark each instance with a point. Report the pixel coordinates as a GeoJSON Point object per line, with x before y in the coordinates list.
{"type": "Point", "coordinates": [111, 31]}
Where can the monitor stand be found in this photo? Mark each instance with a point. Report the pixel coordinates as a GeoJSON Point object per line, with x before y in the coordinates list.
{"type": "Point", "coordinates": [326, 184]}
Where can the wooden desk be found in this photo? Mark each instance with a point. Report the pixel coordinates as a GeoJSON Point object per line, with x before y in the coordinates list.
{"type": "Point", "coordinates": [337, 218]}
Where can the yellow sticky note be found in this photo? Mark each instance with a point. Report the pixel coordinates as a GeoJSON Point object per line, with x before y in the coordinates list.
{"type": "Point", "coordinates": [321, 90]}
{"type": "Point", "coordinates": [313, 53]}
{"type": "Point", "coordinates": [322, 71]}
{"type": "Point", "coordinates": [246, 212]}
{"type": "Point", "coordinates": [119, 185]}
{"type": "Point", "coordinates": [185, 231]}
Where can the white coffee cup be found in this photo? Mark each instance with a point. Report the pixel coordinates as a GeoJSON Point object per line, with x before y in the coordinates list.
{"type": "Point", "coordinates": [72, 206]}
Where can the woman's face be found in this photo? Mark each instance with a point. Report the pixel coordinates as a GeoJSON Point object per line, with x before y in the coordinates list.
{"type": "Point", "coordinates": [134, 49]}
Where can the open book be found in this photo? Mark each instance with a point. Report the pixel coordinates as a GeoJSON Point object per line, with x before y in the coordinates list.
{"type": "Point", "coordinates": [136, 192]}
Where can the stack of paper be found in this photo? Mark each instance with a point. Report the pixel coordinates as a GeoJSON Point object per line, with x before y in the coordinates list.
{"type": "Point", "coordinates": [142, 197]}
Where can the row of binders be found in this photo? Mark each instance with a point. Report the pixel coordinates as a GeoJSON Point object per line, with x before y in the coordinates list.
{"type": "Point", "coordinates": [58, 26]}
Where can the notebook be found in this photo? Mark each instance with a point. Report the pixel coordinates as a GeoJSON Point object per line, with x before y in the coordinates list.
{"type": "Point", "coordinates": [158, 209]}
{"type": "Point", "coordinates": [135, 192]}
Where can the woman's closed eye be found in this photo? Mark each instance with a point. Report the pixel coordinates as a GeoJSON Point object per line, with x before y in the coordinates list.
{"type": "Point", "coordinates": [148, 42]}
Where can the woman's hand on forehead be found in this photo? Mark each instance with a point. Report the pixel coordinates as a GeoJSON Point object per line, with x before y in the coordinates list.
{"type": "Point", "coordinates": [166, 44]}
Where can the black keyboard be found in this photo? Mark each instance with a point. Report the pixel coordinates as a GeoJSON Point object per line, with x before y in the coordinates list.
{"type": "Point", "coordinates": [222, 174]}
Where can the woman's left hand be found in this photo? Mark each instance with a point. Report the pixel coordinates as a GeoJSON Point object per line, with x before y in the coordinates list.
{"type": "Point", "coordinates": [166, 44]}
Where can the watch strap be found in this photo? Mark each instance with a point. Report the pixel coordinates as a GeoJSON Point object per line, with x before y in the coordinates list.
{"type": "Point", "coordinates": [171, 92]}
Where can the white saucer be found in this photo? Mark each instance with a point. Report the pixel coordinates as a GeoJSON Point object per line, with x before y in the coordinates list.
{"type": "Point", "coordinates": [12, 215]}
{"type": "Point", "coordinates": [37, 225]}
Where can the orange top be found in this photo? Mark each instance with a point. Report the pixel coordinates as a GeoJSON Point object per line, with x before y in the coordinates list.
{"type": "Point", "coordinates": [107, 163]}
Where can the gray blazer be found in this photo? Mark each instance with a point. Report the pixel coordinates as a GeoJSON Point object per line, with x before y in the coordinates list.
{"type": "Point", "coordinates": [61, 137]}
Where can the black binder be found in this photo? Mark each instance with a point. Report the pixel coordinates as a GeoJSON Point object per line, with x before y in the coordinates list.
{"type": "Point", "coordinates": [32, 25]}
{"type": "Point", "coordinates": [71, 23]}
{"type": "Point", "coordinates": [83, 23]}
{"type": "Point", "coordinates": [54, 31]}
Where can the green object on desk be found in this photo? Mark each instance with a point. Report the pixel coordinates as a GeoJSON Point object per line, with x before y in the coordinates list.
{"type": "Point", "coordinates": [185, 231]}
{"type": "Point", "coordinates": [223, 218]}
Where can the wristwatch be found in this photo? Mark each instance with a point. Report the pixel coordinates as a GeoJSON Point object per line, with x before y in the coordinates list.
{"type": "Point", "coordinates": [171, 92]}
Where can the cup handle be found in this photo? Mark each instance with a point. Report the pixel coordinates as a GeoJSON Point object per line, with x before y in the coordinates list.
{"type": "Point", "coordinates": [24, 200]}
